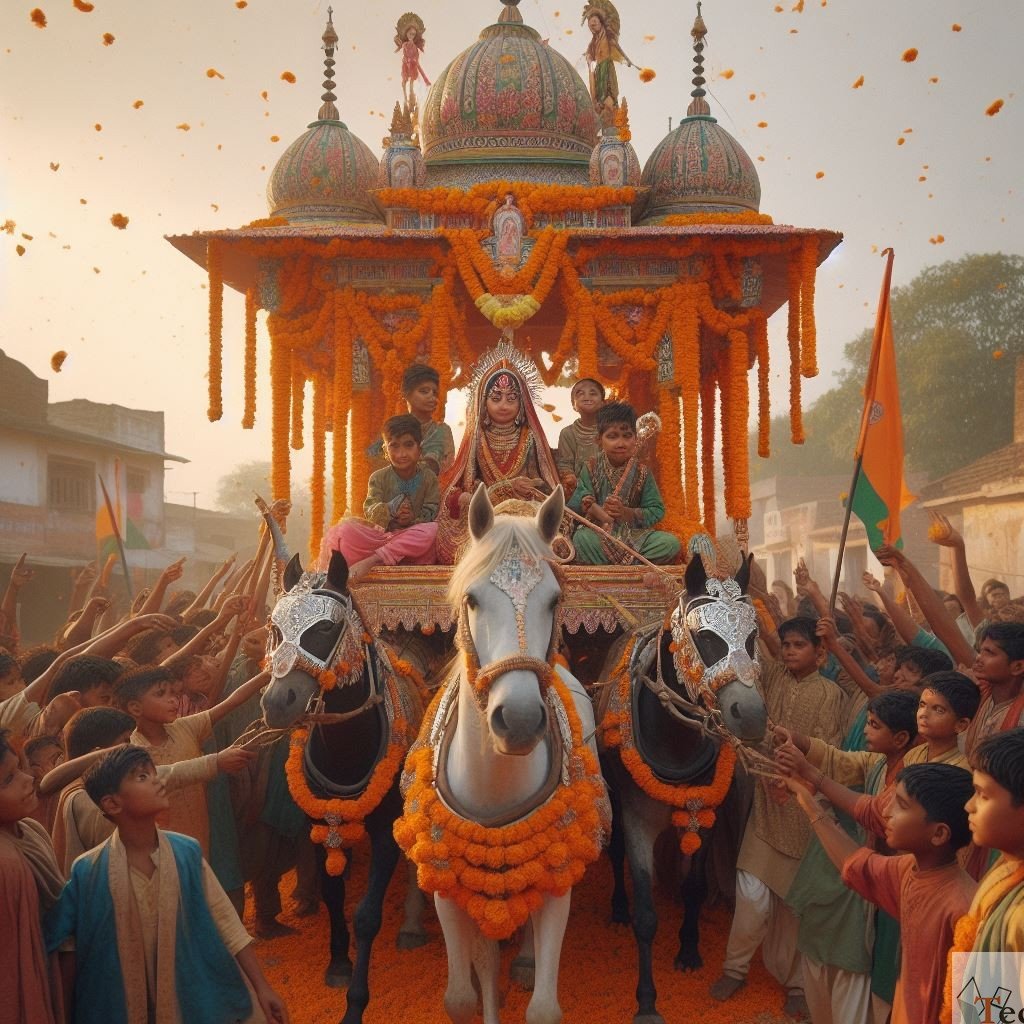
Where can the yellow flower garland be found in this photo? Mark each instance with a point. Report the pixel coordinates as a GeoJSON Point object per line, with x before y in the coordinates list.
{"type": "Point", "coordinates": [249, 413]}
{"type": "Point", "coordinates": [500, 875]}
{"type": "Point", "coordinates": [213, 263]}
{"type": "Point", "coordinates": [694, 806]}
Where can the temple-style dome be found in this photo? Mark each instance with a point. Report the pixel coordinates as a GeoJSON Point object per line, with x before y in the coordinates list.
{"type": "Point", "coordinates": [699, 167]}
{"type": "Point", "coordinates": [326, 174]}
{"type": "Point", "coordinates": [509, 106]}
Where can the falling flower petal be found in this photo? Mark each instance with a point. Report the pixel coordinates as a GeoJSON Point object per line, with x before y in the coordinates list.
{"type": "Point", "coordinates": [97, 127]}
{"type": "Point", "coordinates": [956, 28]}
{"type": "Point", "coordinates": [57, 360]}
{"type": "Point", "coordinates": [213, 73]}
{"type": "Point", "coordinates": [216, 208]}
{"type": "Point", "coordinates": [38, 19]}
{"type": "Point", "coordinates": [858, 83]}
{"type": "Point", "coordinates": [275, 138]}
{"type": "Point", "coordinates": [8, 226]}
{"type": "Point", "coordinates": [933, 79]}
{"type": "Point", "coordinates": [820, 174]}
{"type": "Point", "coordinates": [287, 76]}
{"type": "Point", "coordinates": [82, 5]}
{"type": "Point", "coordinates": [648, 39]}
{"type": "Point", "coordinates": [794, 31]}
{"type": "Point", "coordinates": [900, 141]}
{"type": "Point", "coordinates": [137, 104]}
{"type": "Point", "coordinates": [752, 96]}
{"type": "Point", "coordinates": [648, 75]}
{"type": "Point", "coordinates": [119, 220]}
{"type": "Point", "coordinates": [922, 177]}
{"type": "Point", "coordinates": [909, 56]}
{"type": "Point", "coordinates": [556, 417]}
{"type": "Point", "coordinates": [184, 127]}
{"type": "Point", "coordinates": [937, 239]}
{"type": "Point", "coordinates": [993, 108]}
{"type": "Point", "coordinates": [728, 73]}
{"type": "Point", "coordinates": [762, 124]}
{"type": "Point", "coordinates": [28, 238]}
{"type": "Point", "coordinates": [241, 4]}
{"type": "Point", "coordinates": [761, 158]}
{"type": "Point", "coordinates": [20, 250]}
{"type": "Point", "coordinates": [778, 8]}
{"type": "Point", "coordinates": [998, 354]}
{"type": "Point", "coordinates": [54, 167]}
{"type": "Point", "coordinates": [108, 39]}
{"type": "Point", "coordinates": [798, 7]}
{"type": "Point", "coordinates": [83, 201]}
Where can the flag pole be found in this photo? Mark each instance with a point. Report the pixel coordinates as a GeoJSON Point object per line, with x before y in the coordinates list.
{"type": "Point", "coordinates": [870, 384]}
{"type": "Point", "coordinates": [117, 537]}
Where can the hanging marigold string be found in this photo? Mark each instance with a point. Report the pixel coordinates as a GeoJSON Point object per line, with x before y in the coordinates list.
{"type": "Point", "coordinates": [707, 437]}
{"type": "Point", "coordinates": [686, 377]}
{"type": "Point", "coordinates": [737, 484]}
{"type": "Point", "coordinates": [316, 481]}
{"type": "Point", "coordinates": [216, 284]}
{"type": "Point", "coordinates": [249, 370]}
{"type": "Point", "coordinates": [796, 418]}
{"type": "Point", "coordinates": [808, 331]}
{"type": "Point", "coordinates": [280, 387]}
{"type": "Point", "coordinates": [764, 408]}
{"type": "Point", "coordinates": [341, 405]}
{"type": "Point", "coordinates": [298, 400]}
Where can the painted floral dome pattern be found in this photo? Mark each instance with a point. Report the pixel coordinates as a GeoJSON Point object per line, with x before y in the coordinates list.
{"type": "Point", "coordinates": [325, 175]}
{"type": "Point", "coordinates": [509, 98]}
{"type": "Point", "coordinates": [698, 167]}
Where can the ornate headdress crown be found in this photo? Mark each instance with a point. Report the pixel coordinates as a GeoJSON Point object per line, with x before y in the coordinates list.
{"type": "Point", "coordinates": [505, 356]}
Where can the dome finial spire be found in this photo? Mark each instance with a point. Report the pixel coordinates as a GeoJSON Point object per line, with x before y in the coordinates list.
{"type": "Point", "coordinates": [328, 111]}
{"type": "Point", "coordinates": [698, 105]}
{"type": "Point", "coordinates": [509, 14]}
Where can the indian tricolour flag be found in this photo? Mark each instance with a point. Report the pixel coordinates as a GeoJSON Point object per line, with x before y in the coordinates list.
{"type": "Point", "coordinates": [880, 492]}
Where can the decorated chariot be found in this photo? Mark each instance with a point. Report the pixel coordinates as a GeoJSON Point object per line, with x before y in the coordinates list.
{"type": "Point", "coordinates": [510, 209]}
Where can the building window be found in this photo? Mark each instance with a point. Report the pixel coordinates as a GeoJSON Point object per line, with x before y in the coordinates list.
{"type": "Point", "coordinates": [137, 481]}
{"type": "Point", "coordinates": [71, 486]}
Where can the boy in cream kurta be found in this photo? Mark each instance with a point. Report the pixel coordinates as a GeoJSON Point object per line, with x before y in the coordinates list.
{"type": "Point", "coordinates": [797, 697]}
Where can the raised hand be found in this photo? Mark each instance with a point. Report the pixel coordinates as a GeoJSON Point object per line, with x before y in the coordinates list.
{"type": "Point", "coordinates": [943, 533]}
{"type": "Point", "coordinates": [802, 576]}
{"type": "Point", "coordinates": [871, 583]}
{"type": "Point", "coordinates": [174, 571]}
{"type": "Point", "coordinates": [21, 573]}
{"type": "Point", "coordinates": [826, 630]}
{"type": "Point", "coordinates": [84, 577]}
{"type": "Point", "coordinates": [234, 760]}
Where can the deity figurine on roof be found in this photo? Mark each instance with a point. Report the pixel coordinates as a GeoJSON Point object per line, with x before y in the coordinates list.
{"type": "Point", "coordinates": [602, 54]}
{"type": "Point", "coordinates": [504, 446]}
{"type": "Point", "coordinates": [409, 39]}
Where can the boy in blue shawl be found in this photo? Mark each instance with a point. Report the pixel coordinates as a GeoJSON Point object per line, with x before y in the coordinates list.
{"type": "Point", "coordinates": [146, 908]}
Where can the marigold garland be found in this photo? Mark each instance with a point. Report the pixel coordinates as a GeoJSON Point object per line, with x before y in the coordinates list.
{"type": "Point", "coordinates": [764, 408]}
{"type": "Point", "coordinates": [694, 806]}
{"type": "Point", "coordinates": [249, 371]}
{"type": "Point", "coordinates": [344, 818]}
{"type": "Point", "coordinates": [679, 220]}
{"type": "Point", "coordinates": [316, 483]}
{"type": "Point", "coordinates": [280, 385]}
{"type": "Point", "coordinates": [808, 331]}
{"type": "Point", "coordinates": [216, 285]}
{"type": "Point", "coordinates": [796, 418]}
{"type": "Point", "coordinates": [500, 875]}
{"type": "Point", "coordinates": [709, 385]}
{"type": "Point", "coordinates": [298, 401]}
{"type": "Point", "coordinates": [342, 402]}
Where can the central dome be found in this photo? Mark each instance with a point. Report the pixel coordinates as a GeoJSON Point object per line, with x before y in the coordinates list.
{"type": "Point", "coordinates": [510, 106]}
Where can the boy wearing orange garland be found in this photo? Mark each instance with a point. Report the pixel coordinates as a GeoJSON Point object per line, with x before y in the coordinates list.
{"type": "Point", "coordinates": [400, 508]}
{"type": "Point", "coordinates": [925, 888]}
{"type": "Point", "coordinates": [798, 697]}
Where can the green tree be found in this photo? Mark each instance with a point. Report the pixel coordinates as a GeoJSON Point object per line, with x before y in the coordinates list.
{"type": "Point", "coordinates": [958, 328]}
{"type": "Point", "coordinates": [235, 494]}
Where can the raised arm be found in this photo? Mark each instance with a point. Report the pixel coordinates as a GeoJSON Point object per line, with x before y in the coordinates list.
{"type": "Point", "coordinates": [943, 533]}
{"type": "Point", "coordinates": [905, 625]}
{"type": "Point", "coordinates": [239, 697]}
{"type": "Point", "coordinates": [232, 607]}
{"type": "Point", "coordinates": [828, 632]}
{"type": "Point", "coordinates": [930, 604]}
{"type": "Point", "coordinates": [838, 846]}
{"type": "Point", "coordinates": [805, 585]}
{"type": "Point", "coordinates": [81, 632]}
{"type": "Point", "coordinates": [81, 583]}
{"type": "Point", "coordinates": [20, 575]}
{"type": "Point", "coordinates": [171, 574]}
{"type": "Point", "coordinates": [203, 597]}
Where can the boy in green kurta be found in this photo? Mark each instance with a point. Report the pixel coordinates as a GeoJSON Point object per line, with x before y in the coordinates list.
{"type": "Point", "coordinates": [401, 504]}
{"type": "Point", "coordinates": [578, 442]}
{"type": "Point", "coordinates": [618, 493]}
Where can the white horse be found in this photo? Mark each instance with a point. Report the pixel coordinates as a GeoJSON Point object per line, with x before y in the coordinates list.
{"type": "Point", "coordinates": [498, 740]}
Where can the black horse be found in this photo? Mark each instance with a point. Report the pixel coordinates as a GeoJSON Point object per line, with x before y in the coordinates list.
{"type": "Point", "coordinates": [314, 627]}
{"type": "Point", "coordinates": [673, 724]}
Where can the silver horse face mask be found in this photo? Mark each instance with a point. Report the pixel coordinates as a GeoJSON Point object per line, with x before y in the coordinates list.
{"type": "Point", "coordinates": [303, 607]}
{"type": "Point", "coordinates": [721, 630]}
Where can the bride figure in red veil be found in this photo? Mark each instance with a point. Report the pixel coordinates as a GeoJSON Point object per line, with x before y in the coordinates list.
{"type": "Point", "coordinates": [504, 446]}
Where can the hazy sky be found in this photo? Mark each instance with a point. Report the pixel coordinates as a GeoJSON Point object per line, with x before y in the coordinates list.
{"type": "Point", "coordinates": [131, 311]}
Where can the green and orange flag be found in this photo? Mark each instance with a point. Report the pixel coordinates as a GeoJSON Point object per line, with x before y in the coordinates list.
{"type": "Point", "coordinates": [881, 493]}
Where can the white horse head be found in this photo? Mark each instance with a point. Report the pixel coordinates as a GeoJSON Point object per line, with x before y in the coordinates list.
{"type": "Point", "coordinates": [508, 595]}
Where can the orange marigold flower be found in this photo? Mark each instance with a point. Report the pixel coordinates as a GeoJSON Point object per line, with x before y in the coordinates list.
{"type": "Point", "coordinates": [728, 73]}
{"type": "Point", "coordinates": [213, 73]}
{"type": "Point", "coordinates": [647, 74]}
{"type": "Point", "coordinates": [287, 76]}
{"type": "Point", "coordinates": [119, 220]}
{"type": "Point", "coordinates": [998, 354]}
{"type": "Point", "coordinates": [108, 39]}
{"type": "Point", "coordinates": [82, 5]}
{"type": "Point", "coordinates": [993, 108]}
{"type": "Point", "coordinates": [57, 360]}
{"type": "Point", "coordinates": [909, 56]}
{"type": "Point", "coordinates": [137, 104]}
{"type": "Point", "coordinates": [858, 83]}
{"type": "Point", "coordinates": [38, 19]}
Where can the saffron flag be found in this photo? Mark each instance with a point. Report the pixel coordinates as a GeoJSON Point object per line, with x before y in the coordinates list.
{"type": "Point", "coordinates": [880, 493]}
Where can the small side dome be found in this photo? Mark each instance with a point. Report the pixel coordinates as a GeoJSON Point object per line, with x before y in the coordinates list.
{"type": "Point", "coordinates": [699, 167]}
{"type": "Point", "coordinates": [326, 174]}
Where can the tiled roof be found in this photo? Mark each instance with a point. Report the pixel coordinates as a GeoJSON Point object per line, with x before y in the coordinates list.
{"type": "Point", "coordinates": [1000, 466]}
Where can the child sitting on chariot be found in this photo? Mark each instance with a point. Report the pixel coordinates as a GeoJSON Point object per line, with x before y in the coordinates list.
{"type": "Point", "coordinates": [578, 441]}
{"type": "Point", "coordinates": [400, 508]}
{"type": "Point", "coordinates": [618, 494]}
{"type": "Point", "coordinates": [420, 385]}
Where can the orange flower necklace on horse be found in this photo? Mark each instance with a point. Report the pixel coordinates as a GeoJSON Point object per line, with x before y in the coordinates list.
{"type": "Point", "coordinates": [354, 713]}
{"type": "Point", "coordinates": [504, 802]}
{"type": "Point", "coordinates": [675, 712]}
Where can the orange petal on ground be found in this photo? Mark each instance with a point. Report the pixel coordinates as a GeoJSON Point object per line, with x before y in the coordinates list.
{"type": "Point", "coordinates": [648, 75]}
{"type": "Point", "coordinates": [241, 4]}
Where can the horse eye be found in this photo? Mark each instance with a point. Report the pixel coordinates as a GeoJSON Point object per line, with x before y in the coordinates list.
{"type": "Point", "coordinates": [471, 602]}
{"type": "Point", "coordinates": [711, 647]}
{"type": "Point", "coordinates": [553, 603]}
{"type": "Point", "coordinates": [752, 644]}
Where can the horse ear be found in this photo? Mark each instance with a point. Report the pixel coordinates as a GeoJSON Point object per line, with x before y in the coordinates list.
{"type": "Point", "coordinates": [549, 515]}
{"type": "Point", "coordinates": [696, 577]}
{"type": "Point", "coordinates": [292, 572]}
{"type": "Point", "coordinates": [743, 576]}
{"type": "Point", "coordinates": [337, 573]}
{"type": "Point", "coordinates": [481, 514]}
